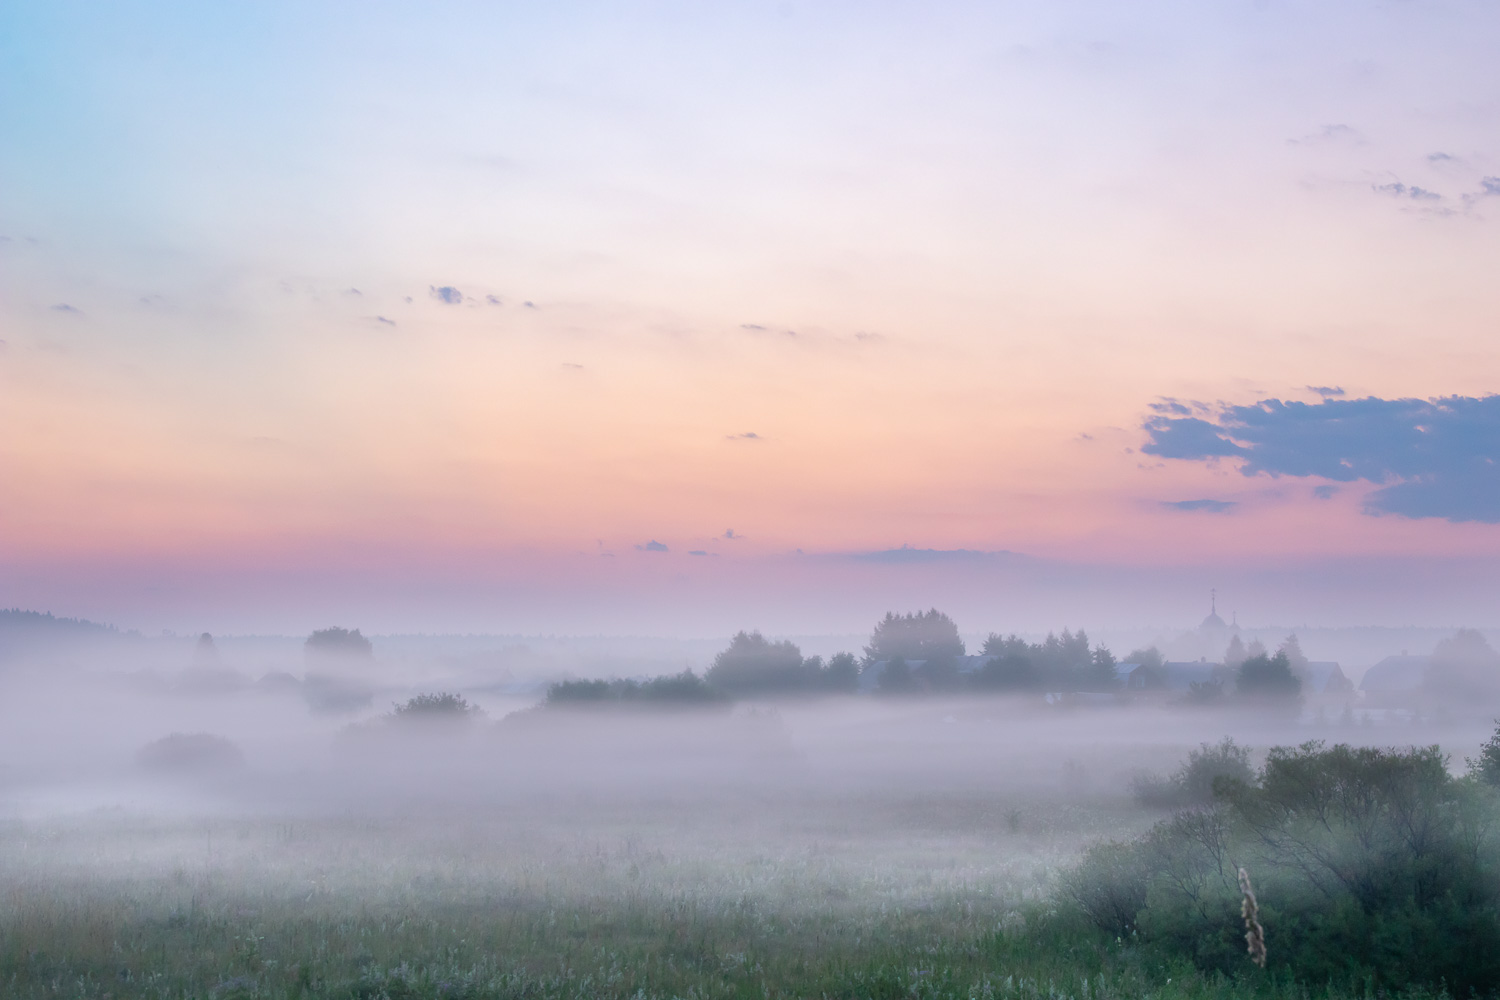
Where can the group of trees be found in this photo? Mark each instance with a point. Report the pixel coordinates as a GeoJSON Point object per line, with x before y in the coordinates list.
{"type": "Point", "coordinates": [1063, 662]}
{"type": "Point", "coordinates": [922, 651]}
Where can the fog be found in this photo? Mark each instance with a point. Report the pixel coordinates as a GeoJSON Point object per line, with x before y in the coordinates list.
{"type": "Point", "coordinates": [264, 779]}
{"type": "Point", "coordinates": [79, 710]}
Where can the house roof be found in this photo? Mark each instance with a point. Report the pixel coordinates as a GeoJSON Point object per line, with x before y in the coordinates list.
{"type": "Point", "coordinates": [1173, 675]}
{"type": "Point", "coordinates": [1395, 673]}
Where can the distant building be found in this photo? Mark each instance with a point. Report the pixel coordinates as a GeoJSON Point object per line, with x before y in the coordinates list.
{"type": "Point", "coordinates": [1175, 676]}
{"type": "Point", "coordinates": [1324, 677]}
{"type": "Point", "coordinates": [1394, 677]}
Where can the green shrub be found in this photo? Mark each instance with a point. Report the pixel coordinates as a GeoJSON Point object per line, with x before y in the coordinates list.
{"type": "Point", "coordinates": [1194, 782]}
{"type": "Point", "coordinates": [1372, 866]}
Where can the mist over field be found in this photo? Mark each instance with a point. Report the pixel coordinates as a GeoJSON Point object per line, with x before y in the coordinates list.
{"type": "Point", "coordinates": [411, 816]}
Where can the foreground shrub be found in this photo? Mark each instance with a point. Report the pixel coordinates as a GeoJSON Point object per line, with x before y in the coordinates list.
{"type": "Point", "coordinates": [1372, 866]}
{"type": "Point", "coordinates": [1193, 783]}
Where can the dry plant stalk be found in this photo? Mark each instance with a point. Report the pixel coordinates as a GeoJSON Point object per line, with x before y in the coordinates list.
{"type": "Point", "coordinates": [1255, 934]}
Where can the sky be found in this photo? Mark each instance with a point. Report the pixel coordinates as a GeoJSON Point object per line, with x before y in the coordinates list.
{"type": "Point", "coordinates": [682, 318]}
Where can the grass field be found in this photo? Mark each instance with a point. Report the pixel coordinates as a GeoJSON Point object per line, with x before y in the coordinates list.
{"type": "Point", "coordinates": [922, 897]}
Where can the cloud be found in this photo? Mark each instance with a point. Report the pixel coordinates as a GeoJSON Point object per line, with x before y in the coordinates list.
{"type": "Point", "coordinates": [1328, 133]}
{"type": "Point", "coordinates": [387, 322]}
{"type": "Point", "coordinates": [1431, 457]}
{"type": "Point", "coordinates": [906, 555]}
{"type": "Point", "coordinates": [747, 436]}
{"type": "Point", "coordinates": [353, 291]}
{"type": "Point", "coordinates": [697, 552]}
{"type": "Point", "coordinates": [1326, 391]}
{"type": "Point", "coordinates": [652, 546]}
{"type": "Point", "coordinates": [1440, 157]}
{"type": "Point", "coordinates": [63, 307]}
{"type": "Point", "coordinates": [573, 364]}
{"type": "Point", "coordinates": [529, 304]}
{"type": "Point", "coordinates": [1212, 506]}
{"type": "Point", "coordinates": [730, 536]}
{"type": "Point", "coordinates": [1325, 492]}
{"type": "Point", "coordinates": [447, 293]}
{"type": "Point", "coordinates": [1168, 405]}
{"type": "Point", "coordinates": [756, 327]}
{"type": "Point", "coordinates": [1398, 190]}
{"type": "Point", "coordinates": [1489, 187]}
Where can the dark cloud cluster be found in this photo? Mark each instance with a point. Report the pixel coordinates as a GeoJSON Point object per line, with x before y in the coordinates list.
{"type": "Point", "coordinates": [1432, 457]}
{"type": "Point", "coordinates": [652, 546]}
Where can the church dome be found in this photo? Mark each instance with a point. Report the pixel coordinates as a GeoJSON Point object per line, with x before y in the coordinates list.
{"type": "Point", "coordinates": [1213, 622]}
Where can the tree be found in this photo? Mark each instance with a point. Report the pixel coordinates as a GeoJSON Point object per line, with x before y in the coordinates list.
{"type": "Point", "coordinates": [1464, 670]}
{"type": "Point", "coordinates": [1150, 658]}
{"type": "Point", "coordinates": [1103, 673]}
{"type": "Point", "coordinates": [753, 663]}
{"type": "Point", "coordinates": [841, 674]}
{"type": "Point", "coordinates": [896, 678]}
{"type": "Point", "coordinates": [1295, 658]}
{"type": "Point", "coordinates": [1235, 654]}
{"type": "Point", "coordinates": [918, 635]}
{"type": "Point", "coordinates": [1268, 678]}
{"type": "Point", "coordinates": [339, 642]}
{"type": "Point", "coordinates": [441, 707]}
{"type": "Point", "coordinates": [1486, 768]}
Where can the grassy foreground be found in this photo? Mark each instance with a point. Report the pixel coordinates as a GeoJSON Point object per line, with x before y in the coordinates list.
{"type": "Point", "coordinates": [86, 943]}
{"type": "Point", "coordinates": [366, 910]}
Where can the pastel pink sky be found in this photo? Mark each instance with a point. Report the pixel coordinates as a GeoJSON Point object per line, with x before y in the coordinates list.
{"type": "Point", "coordinates": [939, 265]}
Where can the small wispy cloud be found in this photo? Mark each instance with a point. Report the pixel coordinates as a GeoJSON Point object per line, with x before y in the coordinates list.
{"type": "Point", "coordinates": [493, 300]}
{"type": "Point", "coordinates": [529, 304]}
{"type": "Point", "coordinates": [1396, 189]}
{"type": "Point", "coordinates": [446, 294]}
{"type": "Point", "coordinates": [1336, 132]}
{"type": "Point", "coordinates": [730, 536]}
{"type": "Point", "coordinates": [354, 291]}
{"type": "Point", "coordinates": [747, 436]}
{"type": "Point", "coordinates": [652, 546]}
{"type": "Point", "coordinates": [1326, 391]}
{"type": "Point", "coordinates": [387, 322]}
{"type": "Point", "coordinates": [573, 365]}
{"type": "Point", "coordinates": [1212, 506]}
{"type": "Point", "coordinates": [63, 307]}
{"type": "Point", "coordinates": [697, 552]}
{"type": "Point", "coordinates": [1325, 492]}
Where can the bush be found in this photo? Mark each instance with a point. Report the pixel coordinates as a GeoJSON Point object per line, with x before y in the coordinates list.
{"type": "Point", "coordinates": [1372, 866]}
{"type": "Point", "coordinates": [1195, 781]}
{"type": "Point", "coordinates": [436, 707]}
{"type": "Point", "coordinates": [183, 753]}
{"type": "Point", "coordinates": [677, 690]}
